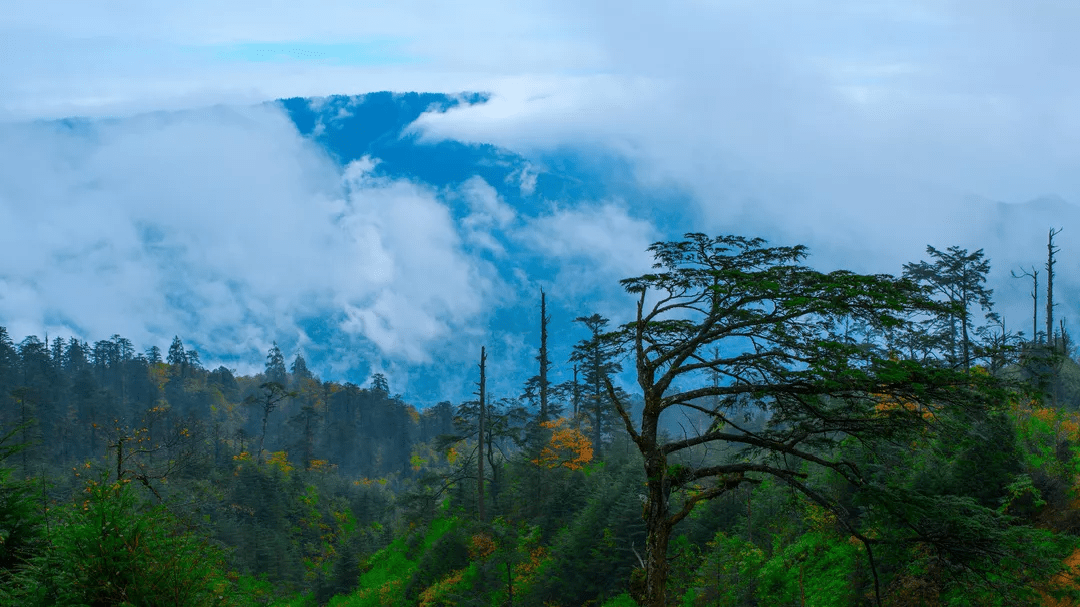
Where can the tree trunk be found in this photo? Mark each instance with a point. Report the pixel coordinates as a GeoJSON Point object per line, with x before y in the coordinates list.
{"type": "Point", "coordinates": [480, 439]}
{"type": "Point", "coordinates": [544, 363]}
{"type": "Point", "coordinates": [964, 323]}
{"type": "Point", "coordinates": [598, 409]}
{"type": "Point", "coordinates": [1050, 250]}
{"type": "Point", "coordinates": [658, 533]}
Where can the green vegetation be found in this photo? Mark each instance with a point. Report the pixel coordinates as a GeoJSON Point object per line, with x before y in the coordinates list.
{"type": "Point", "coordinates": [832, 439]}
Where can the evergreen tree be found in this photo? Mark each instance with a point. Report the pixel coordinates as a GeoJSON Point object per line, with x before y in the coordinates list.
{"type": "Point", "coordinates": [177, 355]}
{"type": "Point", "coordinates": [779, 333]}
{"type": "Point", "coordinates": [379, 385]}
{"type": "Point", "coordinates": [75, 359]}
{"type": "Point", "coordinates": [275, 366]}
{"type": "Point", "coordinates": [192, 358]}
{"type": "Point", "coordinates": [56, 354]}
{"type": "Point", "coordinates": [959, 277]}
{"type": "Point", "coordinates": [299, 369]}
{"type": "Point", "coordinates": [542, 358]}
{"type": "Point", "coordinates": [596, 356]}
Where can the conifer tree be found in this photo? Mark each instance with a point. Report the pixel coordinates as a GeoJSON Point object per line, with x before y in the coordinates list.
{"type": "Point", "coordinates": [959, 277]}
{"type": "Point", "coordinates": [542, 358]}
{"type": "Point", "coordinates": [775, 331]}
{"type": "Point", "coordinates": [597, 358]}
{"type": "Point", "coordinates": [275, 366]}
{"type": "Point", "coordinates": [177, 355]}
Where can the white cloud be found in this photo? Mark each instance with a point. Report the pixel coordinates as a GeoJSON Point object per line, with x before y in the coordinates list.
{"type": "Point", "coordinates": [595, 246]}
{"type": "Point", "coordinates": [227, 228]}
{"type": "Point", "coordinates": [857, 127]}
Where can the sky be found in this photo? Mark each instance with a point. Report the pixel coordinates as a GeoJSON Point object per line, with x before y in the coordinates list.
{"type": "Point", "coordinates": [866, 129]}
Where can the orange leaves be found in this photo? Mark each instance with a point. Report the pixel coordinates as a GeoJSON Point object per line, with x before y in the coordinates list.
{"type": "Point", "coordinates": [567, 447]}
{"type": "Point", "coordinates": [1063, 581]}
{"type": "Point", "coordinates": [890, 404]}
{"type": "Point", "coordinates": [525, 570]}
{"type": "Point", "coordinates": [1061, 424]}
{"type": "Point", "coordinates": [481, 546]}
{"type": "Point", "coordinates": [435, 594]}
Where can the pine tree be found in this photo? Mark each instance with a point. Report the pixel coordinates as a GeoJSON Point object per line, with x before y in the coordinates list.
{"type": "Point", "coordinates": [542, 358]}
{"type": "Point", "coordinates": [177, 356]}
{"type": "Point", "coordinates": [299, 369]}
{"type": "Point", "coordinates": [275, 366]}
{"type": "Point", "coordinates": [959, 277]}
{"type": "Point", "coordinates": [779, 333]}
{"type": "Point", "coordinates": [597, 359]}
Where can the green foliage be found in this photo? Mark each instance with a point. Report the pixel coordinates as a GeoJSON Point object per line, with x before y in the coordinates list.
{"type": "Point", "coordinates": [818, 567]}
{"type": "Point", "coordinates": [623, 600]}
{"type": "Point", "coordinates": [22, 526]}
{"type": "Point", "coordinates": [828, 407]}
{"type": "Point", "coordinates": [386, 575]}
{"type": "Point", "coordinates": [111, 549]}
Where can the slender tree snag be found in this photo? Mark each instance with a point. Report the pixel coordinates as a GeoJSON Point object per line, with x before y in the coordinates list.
{"type": "Point", "coordinates": [576, 395]}
{"type": "Point", "coordinates": [543, 358]}
{"type": "Point", "coordinates": [1050, 250]}
{"type": "Point", "coordinates": [480, 438]}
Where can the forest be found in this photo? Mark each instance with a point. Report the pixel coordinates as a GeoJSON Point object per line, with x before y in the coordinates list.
{"type": "Point", "coordinates": [790, 437]}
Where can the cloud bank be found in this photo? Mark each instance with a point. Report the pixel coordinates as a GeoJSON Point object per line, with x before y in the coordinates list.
{"type": "Point", "coordinates": [864, 129]}
{"type": "Point", "coordinates": [228, 228]}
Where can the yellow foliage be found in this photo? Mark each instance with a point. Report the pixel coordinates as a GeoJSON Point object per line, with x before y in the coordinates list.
{"type": "Point", "coordinates": [888, 403]}
{"type": "Point", "coordinates": [281, 460]}
{"type": "Point", "coordinates": [452, 455]}
{"type": "Point", "coordinates": [567, 447]}
{"type": "Point", "coordinates": [319, 464]}
{"type": "Point", "coordinates": [818, 518]}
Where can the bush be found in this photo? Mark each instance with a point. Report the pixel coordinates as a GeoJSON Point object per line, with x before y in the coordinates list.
{"type": "Point", "coordinates": [112, 549]}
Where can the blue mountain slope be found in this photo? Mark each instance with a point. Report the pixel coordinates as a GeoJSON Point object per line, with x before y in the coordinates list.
{"type": "Point", "coordinates": [375, 124]}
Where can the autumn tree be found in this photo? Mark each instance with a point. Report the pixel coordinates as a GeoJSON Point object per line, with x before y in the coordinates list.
{"type": "Point", "coordinates": [774, 331]}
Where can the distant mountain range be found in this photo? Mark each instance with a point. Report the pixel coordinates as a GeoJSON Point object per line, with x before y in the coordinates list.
{"type": "Point", "coordinates": [381, 127]}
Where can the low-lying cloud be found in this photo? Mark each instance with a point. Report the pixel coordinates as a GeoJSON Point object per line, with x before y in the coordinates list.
{"type": "Point", "coordinates": [226, 227]}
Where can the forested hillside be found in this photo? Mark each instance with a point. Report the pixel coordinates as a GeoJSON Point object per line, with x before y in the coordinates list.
{"type": "Point", "coordinates": [792, 437]}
